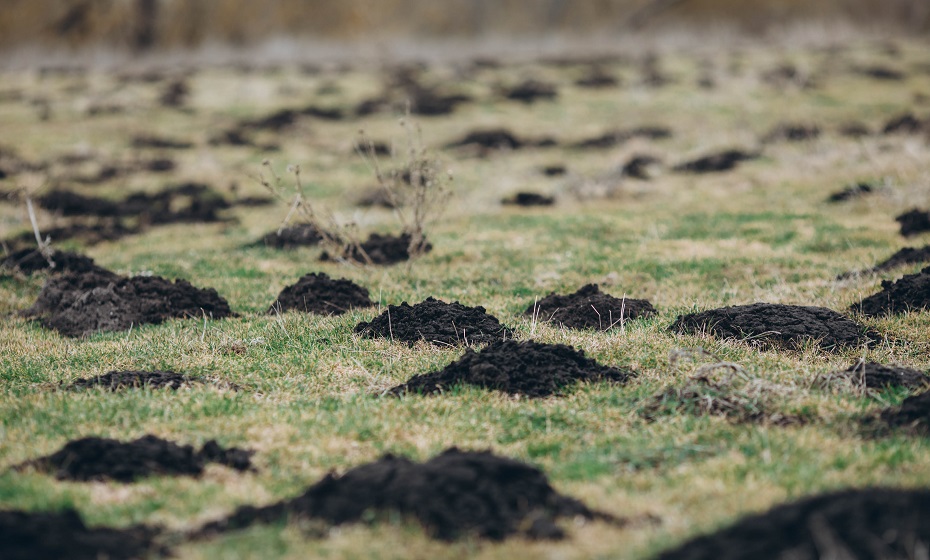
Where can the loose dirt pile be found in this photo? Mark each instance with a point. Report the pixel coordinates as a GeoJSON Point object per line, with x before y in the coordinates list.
{"type": "Point", "coordinates": [531, 91]}
{"type": "Point", "coordinates": [82, 304]}
{"type": "Point", "coordinates": [487, 140]}
{"type": "Point", "coordinates": [870, 523]}
{"type": "Point", "coordinates": [873, 375]}
{"type": "Point", "coordinates": [453, 495]}
{"type": "Point", "coordinates": [119, 380]}
{"type": "Point", "coordinates": [300, 235]}
{"type": "Point", "coordinates": [55, 535]}
{"type": "Point", "coordinates": [589, 308]}
{"type": "Point", "coordinates": [907, 255]}
{"type": "Point", "coordinates": [529, 199]}
{"type": "Point", "coordinates": [642, 167]}
{"type": "Point", "coordinates": [94, 458]}
{"type": "Point", "coordinates": [436, 322]}
{"type": "Point", "coordinates": [713, 163]}
{"type": "Point", "coordinates": [775, 325]}
{"type": "Point", "coordinates": [525, 368]}
{"type": "Point", "coordinates": [913, 415]}
{"type": "Point", "coordinates": [318, 293]}
{"type": "Point", "coordinates": [30, 261]}
{"type": "Point", "coordinates": [910, 293]}
{"type": "Point", "coordinates": [857, 190]}
{"type": "Point", "coordinates": [382, 249]}
{"type": "Point", "coordinates": [914, 222]}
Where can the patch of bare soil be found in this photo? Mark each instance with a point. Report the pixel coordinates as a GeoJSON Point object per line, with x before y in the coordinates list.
{"type": "Point", "coordinates": [913, 415]}
{"type": "Point", "coordinates": [381, 249]}
{"type": "Point", "coordinates": [318, 293]}
{"type": "Point", "coordinates": [914, 222]}
{"type": "Point", "coordinates": [80, 304]}
{"type": "Point", "coordinates": [907, 255]}
{"type": "Point", "coordinates": [872, 375]}
{"type": "Point", "coordinates": [490, 139]}
{"type": "Point", "coordinates": [715, 163]}
{"type": "Point", "coordinates": [856, 190]}
{"type": "Point", "coordinates": [30, 261]}
{"type": "Point", "coordinates": [523, 368]}
{"type": "Point", "coordinates": [776, 326]}
{"type": "Point", "coordinates": [119, 380]}
{"type": "Point", "coordinates": [868, 523]}
{"type": "Point", "coordinates": [55, 535]}
{"type": "Point", "coordinates": [91, 233]}
{"type": "Point", "coordinates": [94, 458]}
{"type": "Point", "coordinates": [910, 293]}
{"type": "Point", "coordinates": [531, 91]}
{"type": "Point", "coordinates": [555, 170]}
{"type": "Point", "coordinates": [453, 495]}
{"type": "Point", "coordinates": [436, 322]}
{"type": "Point", "coordinates": [528, 199]}
{"type": "Point", "coordinates": [589, 308]}
{"type": "Point", "coordinates": [291, 237]}
{"type": "Point", "coordinates": [878, 72]}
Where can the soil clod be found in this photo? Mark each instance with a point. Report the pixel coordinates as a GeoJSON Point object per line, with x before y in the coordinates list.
{"type": "Point", "coordinates": [713, 163]}
{"type": "Point", "coordinates": [913, 222]}
{"type": "Point", "coordinates": [910, 293]}
{"type": "Point", "coordinates": [318, 293]}
{"type": "Point", "coordinates": [291, 237]}
{"type": "Point", "coordinates": [856, 190]}
{"type": "Point", "coordinates": [453, 495]}
{"type": "Point", "coordinates": [775, 325]}
{"type": "Point", "coordinates": [524, 368]}
{"type": "Point", "coordinates": [913, 415]}
{"type": "Point", "coordinates": [792, 132]}
{"type": "Point", "coordinates": [529, 199]}
{"type": "Point", "coordinates": [436, 322]}
{"type": "Point", "coordinates": [30, 261]}
{"type": "Point", "coordinates": [531, 91]}
{"type": "Point", "coordinates": [872, 375]}
{"type": "Point", "coordinates": [589, 308]}
{"type": "Point", "coordinates": [383, 249]}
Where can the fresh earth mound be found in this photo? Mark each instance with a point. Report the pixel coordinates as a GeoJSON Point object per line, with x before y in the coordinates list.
{"type": "Point", "coordinates": [913, 414]}
{"type": "Point", "coordinates": [318, 293]}
{"type": "Point", "coordinates": [909, 293]}
{"type": "Point", "coordinates": [94, 458]}
{"type": "Point", "coordinates": [775, 325]}
{"type": "Point", "coordinates": [300, 235]}
{"type": "Point", "coordinates": [907, 255]}
{"type": "Point", "coordinates": [29, 261]}
{"type": "Point", "coordinates": [713, 163]}
{"type": "Point", "coordinates": [117, 380]}
{"type": "Point", "coordinates": [381, 249]}
{"type": "Point", "coordinates": [54, 535]}
{"type": "Point", "coordinates": [589, 308]}
{"type": "Point", "coordinates": [525, 368]}
{"type": "Point", "coordinates": [869, 523]}
{"type": "Point", "coordinates": [436, 322]}
{"type": "Point", "coordinates": [878, 376]}
{"type": "Point", "coordinates": [856, 190]}
{"type": "Point", "coordinates": [455, 494]}
{"type": "Point", "coordinates": [529, 199]}
{"type": "Point", "coordinates": [82, 304]}
{"type": "Point", "coordinates": [914, 222]}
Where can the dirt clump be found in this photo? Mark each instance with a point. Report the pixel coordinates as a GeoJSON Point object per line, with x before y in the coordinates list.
{"type": "Point", "coordinates": [318, 293]}
{"type": "Point", "coordinates": [855, 130]}
{"type": "Point", "coordinates": [776, 326]}
{"type": "Point", "coordinates": [912, 415]}
{"type": "Point", "coordinates": [436, 322]}
{"type": "Point", "coordinates": [905, 124]}
{"type": "Point", "coordinates": [531, 91]}
{"type": "Point", "coordinates": [118, 380]}
{"type": "Point", "coordinates": [524, 368]}
{"type": "Point", "coordinates": [872, 375]}
{"type": "Point", "coordinates": [867, 523]}
{"type": "Point", "coordinates": [30, 261]}
{"type": "Point", "coordinates": [615, 137]}
{"type": "Point", "coordinates": [792, 132]}
{"type": "Point", "coordinates": [381, 249]}
{"type": "Point", "coordinates": [589, 308]}
{"type": "Point", "coordinates": [642, 167]}
{"type": "Point", "coordinates": [555, 170]}
{"type": "Point", "coordinates": [491, 139]}
{"type": "Point", "coordinates": [144, 141]}
{"type": "Point", "coordinates": [95, 458]}
{"type": "Point", "coordinates": [453, 495]}
{"type": "Point", "coordinates": [80, 304]}
{"type": "Point", "coordinates": [856, 190]}
{"type": "Point", "coordinates": [714, 163]}
{"type": "Point", "coordinates": [905, 256]}
{"type": "Point", "coordinates": [291, 237]}
{"type": "Point", "coordinates": [91, 233]}
{"type": "Point", "coordinates": [529, 199]}
{"type": "Point", "coordinates": [53, 535]}
{"type": "Point", "coordinates": [913, 222]}
{"type": "Point", "coordinates": [910, 293]}
{"type": "Point", "coordinates": [597, 78]}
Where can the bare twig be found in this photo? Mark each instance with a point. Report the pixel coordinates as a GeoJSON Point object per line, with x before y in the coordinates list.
{"type": "Point", "coordinates": [44, 246]}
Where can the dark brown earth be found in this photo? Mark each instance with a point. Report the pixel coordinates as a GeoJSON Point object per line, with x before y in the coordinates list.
{"type": "Point", "coordinates": [94, 458]}
{"type": "Point", "coordinates": [857, 190]}
{"type": "Point", "coordinates": [493, 138]}
{"type": "Point", "coordinates": [913, 415]}
{"type": "Point", "coordinates": [318, 293]}
{"type": "Point", "coordinates": [291, 237]}
{"type": "Point", "coordinates": [640, 167]}
{"type": "Point", "coordinates": [792, 132]}
{"type": "Point", "coordinates": [531, 91]}
{"type": "Point", "coordinates": [776, 325]}
{"type": "Point", "coordinates": [589, 308]}
{"type": "Point", "coordinates": [30, 261]}
{"type": "Point", "coordinates": [721, 161]}
{"type": "Point", "coordinates": [910, 293]}
{"type": "Point", "coordinates": [913, 222]}
{"type": "Point", "coordinates": [854, 130]}
{"type": "Point", "coordinates": [529, 199]}
{"type": "Point", "coordinates": [56, 535]}
{"type": "Point", "coordinates": [436, 322]}
{"type": "Point", "coordinates": [554, 170]}
{"type": "Point", "coordinates": [905, 124]}
{"type": "Point", "coordinates": [381, 249]}
{"type": "Point", "coordinates": [907, 255]}
{"type": "Point", "coordinates": [869, 523]}
{"type": "Point", "coordinates": [80, 304]}
{"type": "Point", "coordinates": [615, 137]}
{"type": "Point", "coordinates": [90, 232]}
{"type": "Point", "coordinates": [143, 141]}
{"type": "Point", "coordinates": [597, 78]}
{"type": "Point", "coordinates": [524, 368]}
{"type": "Point", "coordinates": [453, 495]}
{"type": "Point", "coordinates": [882, 73]}
{"type": "Point", "coordinates": [118, 380]}
{"type": "Point", "coordinates": [878, 376]}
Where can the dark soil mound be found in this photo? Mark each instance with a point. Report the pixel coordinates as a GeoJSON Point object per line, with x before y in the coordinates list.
{"type": "Point", "coordinates": [904, 124]}
{"type": "Point", "coordinates": [854, 130]}
{"type": "Point", "coordinates": [529, 199]}
{"type": "Point", "coordinates": [277, 121]}
{"type": "Point", "coordinates": [430, 103]}
{"type": "Point", "coordinates": [907, 255]}
{"type": "Point", "coordinates": [722, 161]}
{"type": "Point", "coordinates": [640, 167]}
{"type": "Point", "coordinates": [914, 222]}
{"type": "Point", "coordinates": [857, 190]}
{"type": "Point", "coordinates": [79, 304]}
{"type": "Point", "coordinates": [909, 293]}
{"type": "Point", "coordinates": [160, 143]}
{"type": "Point", "coordinates": [382, 249]}
{"type": "Point", "coordinates": [494, 138]}
{"type": "Point", "coordinates": [775, 325]}
{"type": "Point", "coordinates": [792, 132]}
{"type": "Point", "coordinates": [913, 414]}
{"type": "Point", "coordinates": [554, 170]}
{"type": "Point", "coordinates": [436, 322]}
{"type": "Point", "coordinates": [589, 308]}
{"type": "Point", "coordinates": [882, 73]}
{"type": "Point", "coordinates": [878, 376]}
{"type": "Point", "coordinates": [612, 138]}
{"type": "Point", "coordinates": [870, 523]}
{"type": "Point", "coordinates": [597, 78]}
{"type": "Point", "coordinates": [29, 261]}
{"type": "Point", "coordinates": [94, 458]}
{"type": "Point", "coordinates": [55, 535]}
{"type": "Point", "coordinates": [318, 293]}
{"type": "Point", "coordinates": [525, 368]}
{"type": "Point", "coordinates": [117, 380]}
{"type": "Point", "coordinates": [300, 235]}
{"type": "Point", "coordinates": [91, 233]}
{"type": "Point", "coordinates": [531, 91]}
{"type": "Point", "coordinates": [453, 495]}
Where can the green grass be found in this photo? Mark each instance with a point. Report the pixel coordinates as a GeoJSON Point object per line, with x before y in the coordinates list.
{"type": "Point", "coordinates": [308, 402]}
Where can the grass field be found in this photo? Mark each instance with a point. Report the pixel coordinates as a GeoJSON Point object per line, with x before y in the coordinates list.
{"type": "Point", "coordinates": [762, 232]}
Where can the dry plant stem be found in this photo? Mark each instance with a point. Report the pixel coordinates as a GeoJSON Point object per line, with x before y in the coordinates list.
{"type": "Point", "coordinates": [44, 246]}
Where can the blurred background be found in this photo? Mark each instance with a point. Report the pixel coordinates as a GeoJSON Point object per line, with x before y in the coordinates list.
{"type": "Point", "coordinates": [145, 25]}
